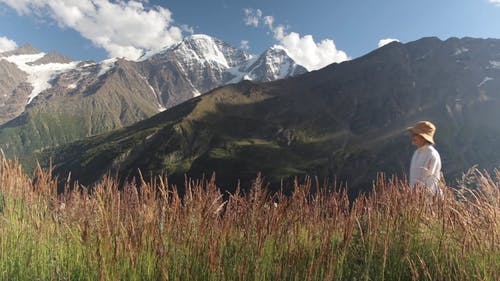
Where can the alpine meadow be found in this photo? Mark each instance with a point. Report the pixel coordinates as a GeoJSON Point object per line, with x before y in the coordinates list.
{"type": "Point", "coordinates": [180, 146]}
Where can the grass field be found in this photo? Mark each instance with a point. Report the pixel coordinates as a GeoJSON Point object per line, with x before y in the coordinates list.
{"type": "Point", "coordinates": [150, 232]}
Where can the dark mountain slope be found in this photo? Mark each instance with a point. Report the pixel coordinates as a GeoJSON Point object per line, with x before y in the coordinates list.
{"type": "Point", "coordinates": [346, 121]}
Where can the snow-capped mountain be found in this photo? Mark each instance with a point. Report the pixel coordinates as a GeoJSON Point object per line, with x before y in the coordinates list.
{"type": "Point", "coordinates": [206, 63]}
{"type": "Point", "coordinates": [83, 98]}
{"type": "Point", "coordinates": [25, 73]}
{"type": "Point", "coordinates": [194, 66]}
{"type": "Point", "coordinates": [272, 65]}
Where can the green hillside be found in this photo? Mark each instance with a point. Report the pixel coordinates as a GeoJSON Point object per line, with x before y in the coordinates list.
{"type": "Point", "coordinates": [345, 122]}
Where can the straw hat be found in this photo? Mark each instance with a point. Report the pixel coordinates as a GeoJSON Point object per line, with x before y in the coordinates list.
{"type": "Point", "coordinates": [425, 129]}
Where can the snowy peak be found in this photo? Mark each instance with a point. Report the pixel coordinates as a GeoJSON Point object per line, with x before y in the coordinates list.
{"type": "Point", "coordinates": [201, 54]}
{"type": "Point", "coordinates": [204, 49]}
{"type": "Point", "coordinates": [205, 63]}
{"type": "Point", "coordinates": [26, 49]}
{"type": "Point", "coordinates": [273, 64]}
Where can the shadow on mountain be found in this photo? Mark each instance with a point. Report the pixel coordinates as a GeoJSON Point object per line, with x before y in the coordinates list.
{"type": "Point", "coordinates": [343, 123]}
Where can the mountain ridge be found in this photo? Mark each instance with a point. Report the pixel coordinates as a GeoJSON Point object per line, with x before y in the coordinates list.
{"type": "Point", "coordinates": [346, 122]}
{"type": "Point", "coordinates": [90, 98]}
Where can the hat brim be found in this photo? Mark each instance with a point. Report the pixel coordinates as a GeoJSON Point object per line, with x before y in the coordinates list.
{"type": "Point", "coordinates": [424, 135]}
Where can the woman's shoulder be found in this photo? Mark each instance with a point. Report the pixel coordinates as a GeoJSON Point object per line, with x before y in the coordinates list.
{"type": "Point", "coordinates": [432, 150]}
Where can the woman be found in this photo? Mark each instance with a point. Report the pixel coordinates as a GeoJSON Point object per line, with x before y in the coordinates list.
{"type": "Point", "coordinates": [425, 167]}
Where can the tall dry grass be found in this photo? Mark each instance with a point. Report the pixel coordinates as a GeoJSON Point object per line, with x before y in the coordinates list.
{"type": "Point", "coordinates": [150, 232]}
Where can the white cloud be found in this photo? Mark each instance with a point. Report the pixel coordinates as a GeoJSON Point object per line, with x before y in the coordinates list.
{"type": "Point", "coordinates": [252, 17]}
{"type": "Point", "coordinates": [6, 44]}
{"type": "Point", "coordinates": [303, 49]}
{"type": "Point", "coordinates": [122, 28]}
{"type": "Point", "coordinates": [386, 41]}
{"type": "Point", "coordinates": [186, 28]}
{"type": "Point", "coordinates": [245, 45]}
{"type": "Point", "coordinates": [310, 54]}
{"type": "Point", "coordinates": [268, 20]}
{"type": "Point", "coordinates": [495, 2]}
{"type": "Point", "coordinates": [21, 6]}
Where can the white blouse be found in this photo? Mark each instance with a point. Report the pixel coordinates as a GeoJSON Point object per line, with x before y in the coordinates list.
{"type": "Point", "coordinates": [425, 168]}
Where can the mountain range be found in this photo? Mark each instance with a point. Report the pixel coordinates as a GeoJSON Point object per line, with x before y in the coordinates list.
{"type": "Point", "coordinates": [47, 100]}
{"type": "Point", "coordinates": [203, 106]}
{"type": "Point", "coordinates": [344, 123]}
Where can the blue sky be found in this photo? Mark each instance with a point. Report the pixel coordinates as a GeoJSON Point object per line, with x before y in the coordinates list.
{"type": "Point", "coordinates": [315, 33]}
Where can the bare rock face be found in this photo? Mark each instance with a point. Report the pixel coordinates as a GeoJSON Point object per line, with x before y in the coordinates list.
{"type": "Point", "coordinates": [14, 91]}
{"type": "Point", "coordinates": [26, 49]}
{"type": "Point", "coordinates": [52, 57]}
